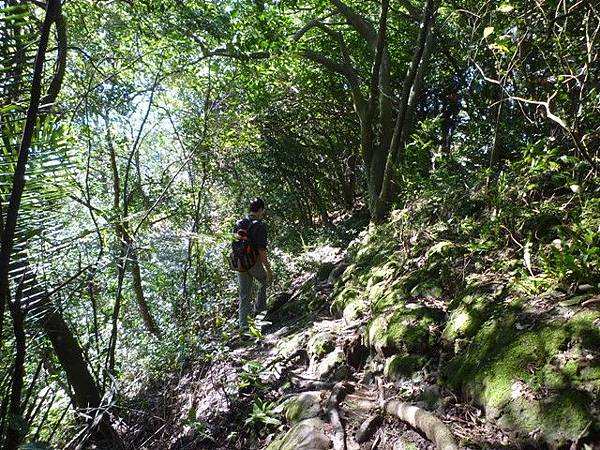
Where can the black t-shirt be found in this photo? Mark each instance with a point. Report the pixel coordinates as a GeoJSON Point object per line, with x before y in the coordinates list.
{"type": "Point", "coordinates": [258, 235]}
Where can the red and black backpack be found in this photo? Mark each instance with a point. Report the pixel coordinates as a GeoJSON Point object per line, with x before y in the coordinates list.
{"type": "Point", "coordinates": [242, 256]}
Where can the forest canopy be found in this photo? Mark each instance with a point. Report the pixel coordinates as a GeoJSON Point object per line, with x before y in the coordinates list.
{"type": "Point", "coordinates": [134, 134]}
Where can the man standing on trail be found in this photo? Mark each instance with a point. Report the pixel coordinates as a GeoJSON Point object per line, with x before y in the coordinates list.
{"type": "Point", "coordinates": [255, 231]}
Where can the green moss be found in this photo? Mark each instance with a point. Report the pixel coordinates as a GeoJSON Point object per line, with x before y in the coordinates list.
{"type": "Point", "coordinates": [549, 377]}
{"type": "Point", "coordinates": [390, 295]}
{"type": "Point", "coordinates": [404, 330]}
{"type": "Point", "coordinates": [345, 296]}
{"type": "Point", "coordinates": [353, 311]}
{"type": "Point", "coordinates": [305, 406]}
{"type": "Point", "coordinates": [411, 329]}
{"type": "Point", "coordinates": [527, 353]}
{"type": "Point", "coordinates": [428, 288]}
{"type": "Point", "coordinates": [293, 410]}
{"type": "Point", "coordinates": [559, 419]}
{"type": "Point", "coordinates": [399, 366]}
{"type": "Point", "coordinates": [306, 435]}
{"type": "Point", "coordinates": [520, 374]}
{"type": "Point", "coordinates": [467, 317]}
{"type": "Point", "coordinates": [571, 368]}
{"type": "Point", "coordinates": [583, 326]}
{"type": "Point", "coordinates": [320, 344]}
{"type": "Point", "coordinates": [591, 375]}
{"type": "Point", "coordinates": [536, 379]}
{"type": "Point", "coordinates": [377, 333]}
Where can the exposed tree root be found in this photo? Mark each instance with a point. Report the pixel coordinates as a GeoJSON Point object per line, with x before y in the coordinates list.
{"type": "Point", "coordinates": [435, 430]}
{"type": "Point", "coordinates": [338, 393]}
{"type": "Point", "coordinates": [308, 384]}
{"type": "Point", "coordinates": [368, 428]}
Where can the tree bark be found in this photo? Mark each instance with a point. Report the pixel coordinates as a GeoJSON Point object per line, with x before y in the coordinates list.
{"type": "Point", "coordinates": [14, 434]}
{"type": "Point", "coordinates": [129, 253]}
{"type": "Point", "coordinates": [382, 142]}
{"type": "Point", "coordinates": [70, 355]}
{"type": "Point", "coordinates": [410, 88]}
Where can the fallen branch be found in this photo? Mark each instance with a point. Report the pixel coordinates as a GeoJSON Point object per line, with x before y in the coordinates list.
{"type": "Point", "coordinates": [338, 393]}
{"type": "Point", "coordinates": [435, 430]}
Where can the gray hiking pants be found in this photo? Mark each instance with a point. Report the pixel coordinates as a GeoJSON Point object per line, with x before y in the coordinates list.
{"type": "Point", "coordinates": [246, 282]}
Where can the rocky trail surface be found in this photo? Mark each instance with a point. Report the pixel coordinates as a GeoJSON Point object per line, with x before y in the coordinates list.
{"type": "Point", "coordinates": [404, 340]}
{"type": "Point", "coordinates": [310, 382]}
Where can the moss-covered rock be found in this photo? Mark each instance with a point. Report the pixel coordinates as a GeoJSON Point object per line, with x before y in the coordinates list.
{"type": "Point", "coordinates": [320, 344]}
{"type": "Point", "coordinates": [354, 311]}
{"type": "Point", "coordinates": [532, 379]}
{"type": "Point", "coordinates": [308, 434]}
{"type": "Point", "coordinates": [404, 444]}
{"type": "Point", "coordinates": [332, 365]}
{"type": "Point", "coordinates": [533, 368]}
{"type": "Point", "coordinates": [408, 329]}
{"type": "Point", "coordinates": [467, 317]}
{"type": "Point", "coordinates": [304, 406]}
{"type": "Point", "coordinates": [401, 366]}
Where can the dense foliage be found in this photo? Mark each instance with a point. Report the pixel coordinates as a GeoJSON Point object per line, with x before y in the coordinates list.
{"type": "Point", "coordinates": [135, 132]}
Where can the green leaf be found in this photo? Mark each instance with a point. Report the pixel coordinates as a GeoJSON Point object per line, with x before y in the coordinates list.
{"type": "Point", "coordinates": [506, 8]}
{"type": "Point", "coordinates": [499, 47]}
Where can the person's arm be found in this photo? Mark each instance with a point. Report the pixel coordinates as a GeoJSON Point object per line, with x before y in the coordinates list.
{"type": "Point", "coordinates": [264, 260]}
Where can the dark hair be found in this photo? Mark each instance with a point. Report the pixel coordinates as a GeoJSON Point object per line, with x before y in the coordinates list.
{"type": "Point", "coordinates": [257, 204]}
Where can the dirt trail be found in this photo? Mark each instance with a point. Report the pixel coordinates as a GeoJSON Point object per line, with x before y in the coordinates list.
{"type": "Point", "coordinates": [247, 396]}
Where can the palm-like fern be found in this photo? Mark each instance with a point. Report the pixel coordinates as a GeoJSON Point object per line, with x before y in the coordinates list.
{"type": "Point", "coordinates": [34, 176]}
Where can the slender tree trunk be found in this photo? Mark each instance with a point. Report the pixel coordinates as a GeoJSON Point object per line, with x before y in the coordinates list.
{"type": "Point", "coordinates": [410, 91]}
{"type": "Point", "coordinates": [14, 434]}
{"type": "Point", "coordinates": [128, 251]}
{"type": "Point", "coordinates": [136, 273]}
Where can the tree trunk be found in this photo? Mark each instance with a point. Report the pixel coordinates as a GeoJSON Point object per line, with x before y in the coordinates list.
{"type": "Point", "coordinates": [128, 251]}
{"type": "Point", "coordinates": [405, 116]}
{"type": "Point", "coordinates": [136, 273]}
{"type": "Point", "coordinates": [87, 395]}
{"type": "Point", "coordinates": [70, 355]}
{"type": "Point", "coordinates": [382, 142]}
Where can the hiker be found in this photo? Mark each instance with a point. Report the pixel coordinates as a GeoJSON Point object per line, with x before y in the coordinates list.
{"type": "Point", "coordinates": [249, 258]}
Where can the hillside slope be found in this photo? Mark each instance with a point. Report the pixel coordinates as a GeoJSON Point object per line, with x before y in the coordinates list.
{"type": "Point", "coordinates": [411, 312]}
